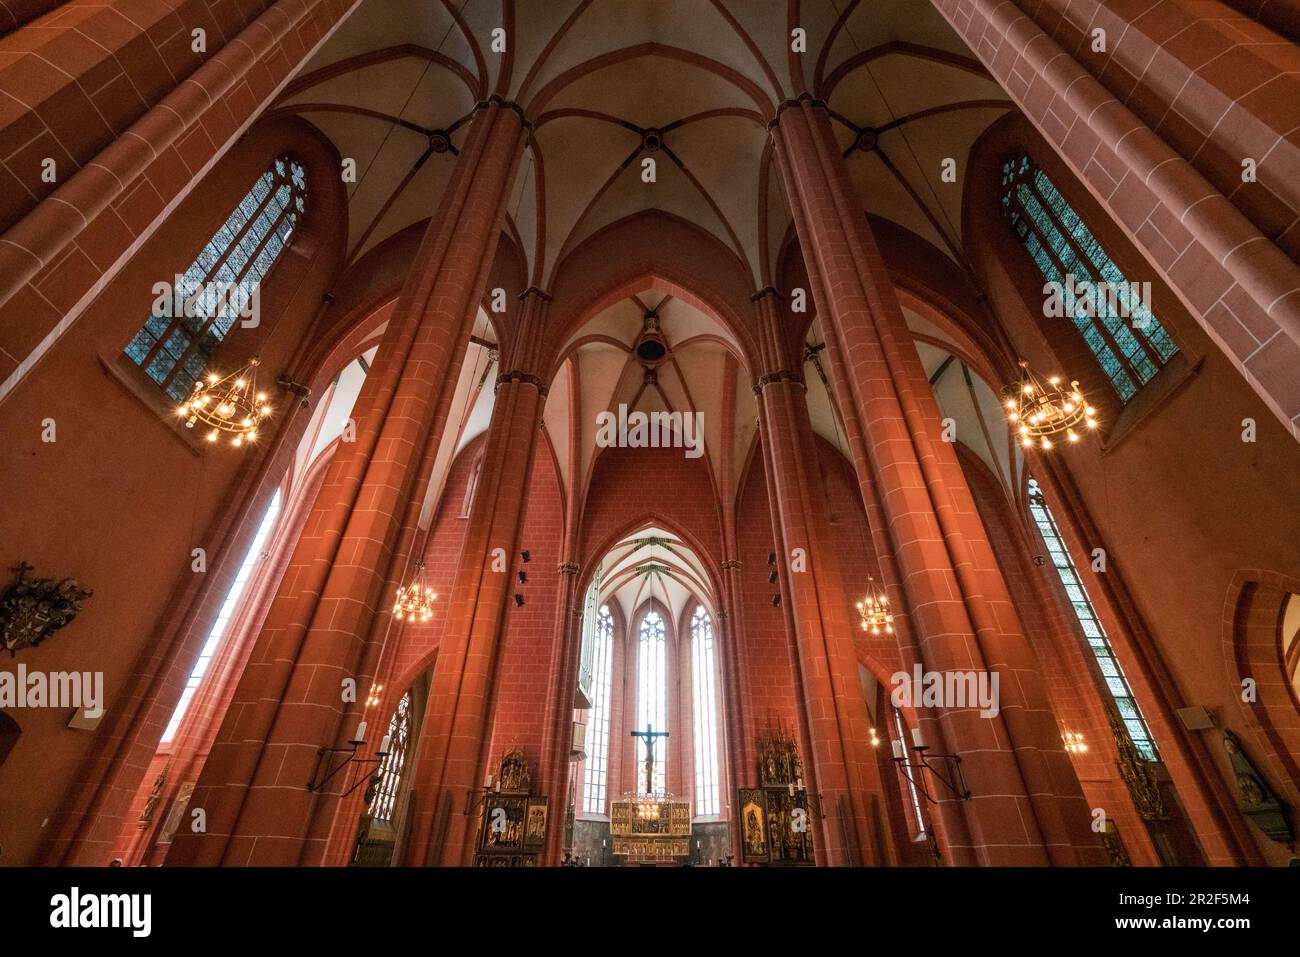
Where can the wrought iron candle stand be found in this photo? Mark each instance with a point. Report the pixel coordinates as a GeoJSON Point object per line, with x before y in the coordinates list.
{"type": "Point", "coordinates": [324, 759]}
{"type": "Point", "coordinates": [954, 780]}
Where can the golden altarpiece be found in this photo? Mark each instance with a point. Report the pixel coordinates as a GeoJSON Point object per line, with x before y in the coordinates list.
{"type": "Point", "coordinates": [775, 821]}
{"type": "Point", "coordinates": [512, 820]}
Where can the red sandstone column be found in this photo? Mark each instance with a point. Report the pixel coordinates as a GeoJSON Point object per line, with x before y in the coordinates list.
{"type": "Point", "coordinates": [738, 734]}
{"type": "Point", "coordinates": [289, 702]}
{"type": "Point", "coordinates": [1027, 807]}
{"type": "Point", "coordinates": [556, 771]}
{"type": "Point", "coordinates": [835, 711]}
{"type": "Point", "coordinates": [454, 736]}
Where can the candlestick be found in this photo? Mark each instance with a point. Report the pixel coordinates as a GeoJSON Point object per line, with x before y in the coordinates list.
{"type": "Point", "coordinates": [383, 745]}
{"type": "Point", "coordinates": [361, 733]}
{"type": "Point", "coordinates": [916, 738]}
{"type": "Point", "coordinates": [898, 750]}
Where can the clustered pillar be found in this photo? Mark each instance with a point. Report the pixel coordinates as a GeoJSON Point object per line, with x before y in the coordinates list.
{"type": "Point", "coordinates": [290, 701]}
{"type": "Point", "coordinates": [835, 711]}
{"type": "Point", "coordinates": [1026, 805]}
{"type": "Point", "coordinates": [455, 734]}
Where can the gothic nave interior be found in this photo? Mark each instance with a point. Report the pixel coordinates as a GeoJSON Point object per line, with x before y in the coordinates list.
{"type": "Point", "coordinates": [606, 433]}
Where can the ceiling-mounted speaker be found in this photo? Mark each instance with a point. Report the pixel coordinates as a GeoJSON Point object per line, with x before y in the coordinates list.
{"type": "Point", "coordinates": [776, 600]}
{"type": "Point", "coordinates": [523, 577]}
{"type": "Point", "coordinates": [526, 556]}
{"type": "Point", "coordinates": [519, 600]}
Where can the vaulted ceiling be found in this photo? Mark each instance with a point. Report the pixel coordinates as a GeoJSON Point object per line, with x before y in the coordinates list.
{"type": "Point", "coordinates": [608, 84]}
{"type": "Point", "coordinates": [689, 84]}
{"type": "Point", "coordinates": [653, 565]}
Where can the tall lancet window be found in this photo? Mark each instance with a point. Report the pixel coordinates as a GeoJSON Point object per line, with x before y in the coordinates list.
{"type": "Point", "coordinates": [201, 305]}
{"type": "Point", "coordinates": [652, 698]}
{"type": "Point", "coordinates": [1113, 315]}
{"type": "Point", "coordinates": [384, 805]}
{"type": "Point", "coordinates": [255, 553]}
{"type": "Point", "coordinates": [1093, 631]}
{"type": "Point", "coordinates": [596, 773]}
{"type": "Point", "coordinates": [706, 713]}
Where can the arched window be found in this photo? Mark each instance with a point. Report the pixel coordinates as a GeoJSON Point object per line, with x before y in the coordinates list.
{"type": "Point", "coordinates": [228, 609]}
{"type": "Point", "coordinates": [652, 697]}
{"type": "Point", "coordinates": [1115, 319]}
{"type": "Point", "coordinates": [706, 714]}
{"type": "Point", "coordinates": [196, 312]}
{"type": "Point", "coordinates": [1116, 684]}
{"type": "Point", "coordinates": [393, 763]}
{"type": "Point", "coordinates": [595, 774]}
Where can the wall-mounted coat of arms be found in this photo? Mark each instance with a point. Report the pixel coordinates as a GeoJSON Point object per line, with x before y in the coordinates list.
{"type": "Point", "coordinates": [32, 609]}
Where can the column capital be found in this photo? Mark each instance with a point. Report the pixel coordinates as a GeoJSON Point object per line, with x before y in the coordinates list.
{"type": "Point", "coordinates": [535, 292]}
{"type": "Point", "coordinates": [801, 98]}
{"type": "Point", "coordinates": [505, 104]}
{"type": "Point", "coordinates": [781, 375]}
{"type": "Point", "coordinates": [527, 378]}
{"type": "Point", "coordinates": [722, 614]}
{"type": "Point", "coordinates": [568, 568]}
{"type": "Point", "coordinates": [731, 563]}
{"type": "Point", "coordinates": [767, 292]}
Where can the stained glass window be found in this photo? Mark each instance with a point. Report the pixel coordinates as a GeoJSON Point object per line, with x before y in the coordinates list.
{"type": "Point", "coordinates": [392, 765]}
{"type": "Point", "coordinates": [596, 772]}
{"type": "Point", "coordinates": [707, 792]}
{"type": "Point", "coordinates": [1113, 676]}
{"type": "Point", "coordinates": [228, 608]}
{"type": "Point", "coordinates": [652, 697]}
{"type": "Point", "coordinates": [1111, 313]}
{"type": "Point", "coordinates": [191, 320]}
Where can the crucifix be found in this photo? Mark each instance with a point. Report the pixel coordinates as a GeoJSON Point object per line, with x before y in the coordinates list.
{"type": "Point", "coordinates": [649, 737]}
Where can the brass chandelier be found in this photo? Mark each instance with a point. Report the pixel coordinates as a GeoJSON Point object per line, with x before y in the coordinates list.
{"type": "Point", "coordinates": [230, 405]}
{"type": "Point", "coordinates": [1039, 408]}
{"type": "Point", "coordinates": [874, 611]}
{"type": "Point", "coordinates": [415, 600]}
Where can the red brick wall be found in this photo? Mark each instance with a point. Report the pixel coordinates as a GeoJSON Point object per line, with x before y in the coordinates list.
{"type": "Point", "coordinates": [418, 642]}
{"type": "Point", "coordinates": [529, 641]}
{"type": "Point", "coordinates": [124, 515]}
{"type": "Point", "coordinates": [765, 645]}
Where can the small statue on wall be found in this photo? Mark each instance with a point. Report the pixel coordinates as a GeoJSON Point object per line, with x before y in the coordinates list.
{"type": "Point", "coordinates": [33, 609]}
{"type": "Point", "coordinates": [1255, 798]}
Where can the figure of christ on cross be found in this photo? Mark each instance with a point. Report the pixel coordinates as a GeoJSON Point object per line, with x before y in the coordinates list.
{"type": "Point", "coordinates": [649, 736]}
